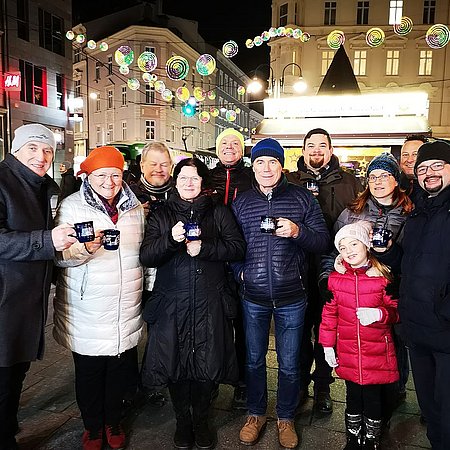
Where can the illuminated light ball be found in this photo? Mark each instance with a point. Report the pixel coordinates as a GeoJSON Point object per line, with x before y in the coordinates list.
{"type": "Point", "coordinates": [182, 94]}
{"type": "Point", "coordinates": [249, 43]}
{"type": "Point", "coordinates": [289, 32]}
{"type": "Point", "coordinates": [199, 94]}
{"type": "Point", "coordinates": [124, 55]}
{"type": "Point", "coordinates": [177, 68]}
{"type": "Point", "coordinates": [265, 36]}
{"type": "Point", "coordinates": [230, 115]}
{"type": "Point", "coordinates": [167, 95]}
{"type": "Point", "coordinates": [238, 110]}
{"type": "Point", "coordinates": [147, 61]}
{"type": "Point", "coordinates": [281, 31]}
{"type": "Point", "coordinates": [258, 41]}
{"type": "Point", "coordinates": [160, 86]}
{"type": "Point", "coordinates": [230, 49]}
{"type": "Point", "coordinates": [212, 94]}
{"type": "Point", "coordinates": [153, 77]}
{"type": "Point", "coordinates": [70, 35]}
{"type": "Point", "coordinates": [124, 70]}
{"type": "Point", "coordinates": [103, 46]}
{"type": "Point", "coordinates": [335, 39]}
{"type": "Point", "coordinates": [204, 117]}
{"type": "Point", "coordinates": [80, 38]}
{"type": "Point", "coordinates": [297, 34]}
{"type": "Point", "coordinates": [214, 111]}
{"type": "Point", "coordinates": [241, 90]}
{"type": "Point", "coordinates": [404, 27]}
{"type": "Point", "coordinates": [205, 65]}
{"type": "Point", "coordinates": [91, 44]}
{"type": "Point", "coordinates": [241, 129]}
{"type": "Point", "coordinates": [305, 37]}
{"type": "Point", "coordinates": [437, 36]}
{"type": "Point", "coordinates": [272, 32]}
{"type": "Point", "coordinates": [375, 37]}
{"type": "Point", "coordinates": [246, 129]}
{"type": "Point", "coordinates": [253, 130]}
{"type": "Point", "coordinates": [133, 84]}
{"type": "Point", "coordinates": [146, 77]}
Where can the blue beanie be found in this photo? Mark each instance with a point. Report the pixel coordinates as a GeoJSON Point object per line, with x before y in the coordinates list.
{"type": "Point", "coordinates": [268, 147]}
{"type": "Point", "coordinates": [385, 161]}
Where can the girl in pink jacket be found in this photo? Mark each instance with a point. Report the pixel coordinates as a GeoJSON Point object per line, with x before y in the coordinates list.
{"type": "Point", "coordinates": [357, 322]}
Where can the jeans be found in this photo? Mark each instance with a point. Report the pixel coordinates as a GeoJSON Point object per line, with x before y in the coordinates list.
{"type": "Point", "coordinates": [288, 334]}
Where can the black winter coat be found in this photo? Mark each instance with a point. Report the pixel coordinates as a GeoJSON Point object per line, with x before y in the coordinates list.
{"type": "Point", "coordinates": [231, 181]}
{"type": "Point", "coordinates": [424, 304]}
{"type": "Point", "coordinates": [26, 260]}
{"type": "Point", "coordinates": [190, 332]}
{"type": "Point", "coordinates": [274, 269]}
{"type": "Point", "coordinates": [69, 184]}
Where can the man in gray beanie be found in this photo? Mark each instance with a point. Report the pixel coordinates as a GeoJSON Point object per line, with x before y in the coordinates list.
{"type": "Point", "coordinates": [424, 305]}
{"type": "Point", "coordinates": [282, 223]}
{"type": "Point", "coordinates": [27, 247]}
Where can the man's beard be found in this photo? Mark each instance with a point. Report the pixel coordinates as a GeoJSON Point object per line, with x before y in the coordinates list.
{"type": "Point", "coordinates": [434, 190]}
{"type": "Point", "coordinates": [316, 164]}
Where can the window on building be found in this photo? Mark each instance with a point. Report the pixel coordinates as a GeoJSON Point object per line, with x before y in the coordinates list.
{"type": "Point", "coordinates": [77, 88]}
{"type": "Point", "coordinates": [110, 133]}
{"type": "Point", "coordinates": [98, 105]}
{"type": "Point", "coordinates": [149, 130]}
{"type": "Point", "coordinates": [23, 20]}
{"type": "Point", "coordinates": [51, 30]}
{"type": "Point", "coordinates": [110, 65]}
{"type": "Point", "coordinates": [34, 83]}
{"type": "Point", "coordinates": [429, 10]}
{"type": "Point", "coordinates": [359, 62]}
{"type": "Point", "coordinates": [109, 99]}
{"type": "Point", "coordinates": [392, 62]}
{"type": "Point", "coordinates": [149, 94]}
{"type": "Point", "coordinates": [77, 55]}
{"type": "Point", "coordinates": [150, 49]}
{"type": "Point", "coordinates": [172, 132]}
{"type": "Point", "coordinates": [330, 13]}
{"type": "Point", "coordinates": [98, 134]}
{"type": "Point", "coordinates": [60, 92]}
{"type": "Point", "coordinates": [283, 15]}
{"type": "Point", "coordinates": [97, 70]}
{"type": "Point", "coordinates": [425, 62]}
{"type": "Point", "coordinates": [124, 130]}
{"type": "Point", "coordinates": [362, 13]}
{"type": "Point", "coordinates": [327, 58]}
{"type": "Point", "coordinates": [395, 11]}
{"type": "Point", "coordinates": [124, 95]}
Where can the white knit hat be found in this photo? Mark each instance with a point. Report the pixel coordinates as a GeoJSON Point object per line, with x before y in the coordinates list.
{"type": "Point", "coordinates": [32, 132]}
{"type": "Point", "coordinates": [357, 230]}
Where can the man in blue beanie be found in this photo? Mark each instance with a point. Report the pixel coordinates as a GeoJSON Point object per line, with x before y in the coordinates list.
{"type": "Point", "coordinates": [281, 223]}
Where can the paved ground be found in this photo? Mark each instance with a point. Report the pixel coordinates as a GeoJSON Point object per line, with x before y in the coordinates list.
{"type": "Point", "coordinates": [50, 420]}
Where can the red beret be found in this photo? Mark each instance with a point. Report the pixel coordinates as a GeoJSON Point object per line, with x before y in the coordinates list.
{"type": "Point", "coordinates": [101, 157]}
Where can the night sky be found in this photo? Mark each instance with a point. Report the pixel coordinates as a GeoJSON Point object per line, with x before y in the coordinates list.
{"type": "Point", "coordinates": [247, 19]}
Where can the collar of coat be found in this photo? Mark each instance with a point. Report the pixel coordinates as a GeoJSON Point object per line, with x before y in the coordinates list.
{"type": "Point", "coordinates": [327, 174]}
{"type": "Point", "coordinates": [238, 166]}
{"type": "Point", "coordinates": [197, 208]}
{"type": "Point", "coordinates": [278, 189]}
{"type": "Point", "coordinates": [342, 267]}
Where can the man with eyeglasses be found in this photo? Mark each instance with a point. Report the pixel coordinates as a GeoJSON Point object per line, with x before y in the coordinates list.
{"type": "Point", "coordinates": [424, 304]}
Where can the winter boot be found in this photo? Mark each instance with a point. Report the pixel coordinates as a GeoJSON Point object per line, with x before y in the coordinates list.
{"type": "Point", "coordinates": [353, 425]}
{"type": "Point", "coordinates": [372, 432]}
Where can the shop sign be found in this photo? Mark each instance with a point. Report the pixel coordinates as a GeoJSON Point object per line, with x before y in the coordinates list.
{"type": "Point", "coordinates": [12, 81]}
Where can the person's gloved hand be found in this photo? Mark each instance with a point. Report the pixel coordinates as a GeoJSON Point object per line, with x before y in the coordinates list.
{"type": "Point", "coordinates": [367, 316]}
{"type": "Point", "coordinates": [330, 356]}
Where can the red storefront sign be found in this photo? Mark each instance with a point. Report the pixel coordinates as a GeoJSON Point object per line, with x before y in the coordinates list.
{"type": "Point", "coordinates": [12, 81]}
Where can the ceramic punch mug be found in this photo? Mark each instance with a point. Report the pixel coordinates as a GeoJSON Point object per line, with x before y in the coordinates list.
{"type": "Point", "coordinates": [111, 239]}
{"type": "Point", "coordinates": [84, 231]}
{"type": "Point", "coordinates": [268, 224]}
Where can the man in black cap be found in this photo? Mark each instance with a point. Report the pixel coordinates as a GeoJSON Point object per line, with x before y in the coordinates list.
{"type": "Point", "coordinates": [424, 304]}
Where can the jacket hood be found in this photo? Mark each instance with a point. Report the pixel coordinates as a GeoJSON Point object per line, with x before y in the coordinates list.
{"type": "Point", "coordinates": [342, 267]}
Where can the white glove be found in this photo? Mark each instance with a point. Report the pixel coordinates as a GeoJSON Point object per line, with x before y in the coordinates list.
{"type": "Point", "coordinates": [368, 315]}
{"type": "Point", "coordinates": [330, 356]}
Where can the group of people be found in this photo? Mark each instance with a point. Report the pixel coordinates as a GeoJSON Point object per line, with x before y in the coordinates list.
{"type": "Point", "coordinates": [207, 260]}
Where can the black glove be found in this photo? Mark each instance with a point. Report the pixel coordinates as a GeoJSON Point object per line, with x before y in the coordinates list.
{"type": "Point", "coordinates": [325, 294]}
{"type": "Point", "coordinates": [393, 287]}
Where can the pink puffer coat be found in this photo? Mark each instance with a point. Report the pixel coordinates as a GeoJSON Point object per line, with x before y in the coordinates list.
{"type": "Point", "coordinates": [365, 354]}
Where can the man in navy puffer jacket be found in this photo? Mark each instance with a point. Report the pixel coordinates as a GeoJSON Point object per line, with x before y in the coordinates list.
{"type": "Point", "coordinates": [272, 277]}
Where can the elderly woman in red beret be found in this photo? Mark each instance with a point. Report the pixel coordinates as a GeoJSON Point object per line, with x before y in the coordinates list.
{"type": "Point", "coordinates": [97, 305]}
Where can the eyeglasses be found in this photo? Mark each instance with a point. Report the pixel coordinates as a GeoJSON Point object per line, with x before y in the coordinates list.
{"type": "Point", "coordinates": [115, 177]}
{"type": "Point", "coordinates": [184, 180]}
{"type": "Point", "coordinates": [383, 177]}
{"type": "Point", "coordinates": [435, 167]}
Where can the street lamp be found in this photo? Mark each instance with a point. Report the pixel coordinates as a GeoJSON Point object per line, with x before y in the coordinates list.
{"type": "Point", "coordinates": [299, 85]}
{"type": "Point", "coordinates": [255, 85]}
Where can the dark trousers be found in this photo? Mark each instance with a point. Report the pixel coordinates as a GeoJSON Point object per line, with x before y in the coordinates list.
{"type": "Point", "coordinates": [312, 352]}
{"type": "Point", "coordinates": [431, 371]}
{"type": "Point", "coordinates": [100, 385]}
{"type": "Point", "coordinates": [11, 382]}
{"type": "Point", "coordinates": [401, 352]}
{"type": "Point", "coordinates": [239, 342]}
{"type": "Point", "coordinates": [191, 400]}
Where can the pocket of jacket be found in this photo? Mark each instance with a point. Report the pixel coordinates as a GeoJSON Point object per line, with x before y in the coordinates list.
{"type": "Point", "coordinates": [229, 302]}
{"type": "Point", "coordinates": [152, 307]}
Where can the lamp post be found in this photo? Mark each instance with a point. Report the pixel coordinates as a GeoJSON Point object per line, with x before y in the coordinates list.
{"type": "Point", "coordinates": [299, 85]}
{"type": "Point", "coordinates": [255, 85]}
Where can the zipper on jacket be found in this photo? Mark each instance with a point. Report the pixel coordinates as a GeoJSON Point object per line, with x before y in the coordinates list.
{"type": "Point", "coordinates": [388, 359]}
{"type": "Point", "coordinates": [269, 209]}
{"type": "Point", "coordinates": [119, 302]}
{"type": "Point", "coordinates": [332, 198]}
{"type": "Point", "coordinates": [358, 325]}
{"type": "Point", "coordinates": [227, 187]}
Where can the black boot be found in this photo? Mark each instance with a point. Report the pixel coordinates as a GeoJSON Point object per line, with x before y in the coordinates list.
{"type": "Point", "coordinates": [184, 434]}
{"type": "Point", "coordinates": [353, 425]}
{"type": "Point", "coordinates": [201, 395]}
{"type": "Point", "coordinates": [372, 432]}
{"type": "Point", "coordinates": [180, 395]}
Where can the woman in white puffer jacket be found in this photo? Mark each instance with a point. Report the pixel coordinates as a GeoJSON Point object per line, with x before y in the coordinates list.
{"type": "Point", "coordinates": [97, 305]}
